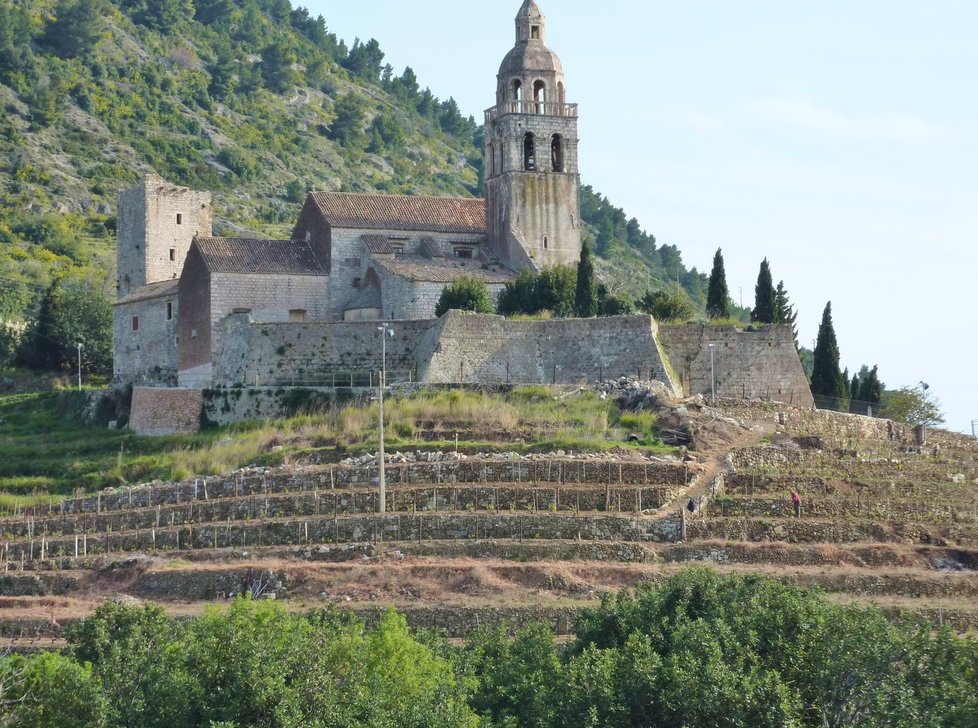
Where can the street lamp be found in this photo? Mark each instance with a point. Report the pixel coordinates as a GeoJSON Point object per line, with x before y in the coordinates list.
{"type": "Point", "coordinates": [713, 377]}
{"type": "Point", "coordinates": [385, 331]}
{"type": "Point", "coordinates": [79, 365]}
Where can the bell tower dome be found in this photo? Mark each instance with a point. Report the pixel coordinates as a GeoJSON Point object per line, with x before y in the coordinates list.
{"type": "Point", "coordinates": [531, 154]}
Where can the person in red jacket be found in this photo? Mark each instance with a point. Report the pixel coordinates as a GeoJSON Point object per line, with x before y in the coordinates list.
{"type": "Point", "coordinates": [796, 499]}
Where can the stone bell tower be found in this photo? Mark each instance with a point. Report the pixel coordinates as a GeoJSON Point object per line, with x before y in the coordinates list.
{"type": "Point", "coordinates": [532, 181]}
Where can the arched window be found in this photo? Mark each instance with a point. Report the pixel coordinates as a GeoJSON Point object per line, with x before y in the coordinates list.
{"type": "Point", "coordinates": [529, 153]}
{"type": "Point", "coordinates": [546, 242]}
{"type": "Point", "coordinates": [557, 153]}
{"type": "Point", "coordinates": [540, 97]}
{"type": "Point", "coordinates": [517, 90]}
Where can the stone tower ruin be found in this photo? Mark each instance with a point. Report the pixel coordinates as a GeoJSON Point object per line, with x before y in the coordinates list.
{"type": "Point", "coordinates": [156, 224]}
{"type": "Point", "coordinates": [532, 181]}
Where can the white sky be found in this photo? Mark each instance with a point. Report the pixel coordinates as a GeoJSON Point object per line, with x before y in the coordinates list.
{"type": "Point", "coordinates": [838, 139]}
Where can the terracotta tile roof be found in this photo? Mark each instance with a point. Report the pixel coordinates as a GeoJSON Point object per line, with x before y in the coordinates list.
{"type": "Point", "coordinates": [402, 212]}
{"type": "Point", "coordinates": [377, 244]}
{"type": "Point", "coordinates": [242, 255]}
{"type": "Point", "coordinates": [160, 289]}
{"type": "Point", "coordinates": [430, 249]}
{"type": "Point", "coordinates": [446, 270]}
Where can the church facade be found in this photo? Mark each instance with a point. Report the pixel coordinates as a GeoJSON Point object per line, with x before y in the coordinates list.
{"type": "Point", "coordinates": [353, 257]}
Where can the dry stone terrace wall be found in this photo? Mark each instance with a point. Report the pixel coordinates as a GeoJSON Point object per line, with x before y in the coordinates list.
{"type": "Point", "coordinates": [841, 532]}
{"type": "Point", "coordinates": [922, 510]}
{"type": "Point", "coordinates": [350, 502]}
{"type": "Point", "coordinates": [352, 529]}
{"type": "Point", "coordinates": [470, 471]}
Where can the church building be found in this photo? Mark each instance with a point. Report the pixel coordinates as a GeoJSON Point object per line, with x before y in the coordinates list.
{"type": "Point", "coordinates": [354, 257]}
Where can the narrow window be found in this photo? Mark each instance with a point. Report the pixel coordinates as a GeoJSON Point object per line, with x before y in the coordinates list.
{"type": "Point", "coordinates": [179, 219]}
{"type": "Point", "coordinates": [540, 97]}
{"type": "Point", "coordinates": [535, 32]}
{"type": "Point", "coordinates": [557, 153]}
{"type": "Point", "coordinates": [529, 153]}
{"type": "Point", "coordinates": [546, 243]}
{"type": "Point", "coordinates": [193, 333]}
{"type": "Point", "coordinates": [135, 323]}
{"type": "Point", "coordinates": [169, 310]}
{"type": "Point", "coordinates": [173, 254]}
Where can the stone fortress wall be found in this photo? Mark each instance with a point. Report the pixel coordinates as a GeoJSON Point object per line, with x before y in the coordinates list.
{"type": "Point", "coordinates": [746, 365]}
{"type": "Point", "coordinates": [463, 348]}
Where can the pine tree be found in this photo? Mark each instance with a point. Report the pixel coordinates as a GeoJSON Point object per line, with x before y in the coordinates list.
{"type": "Point", "coordinates": [586, 299]}
{"type": "Point", "coordinates": [765, 298]}
{"type": "Point", "coordinates": [718, 296]}
{"type": "Point", "coordinates": [827, 378]}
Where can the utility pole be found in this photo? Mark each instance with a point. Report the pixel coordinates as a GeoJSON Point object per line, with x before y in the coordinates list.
{"type": "Point", "coordinates": [385, 331]}
{"type": "Point", "coordinates": [713, 378]}
{"type": "Point", "coordinates": [79, 365]}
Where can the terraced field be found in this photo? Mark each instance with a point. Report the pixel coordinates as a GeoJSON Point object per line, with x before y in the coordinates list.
{"type": "Point", "coordinates": [473, 540]}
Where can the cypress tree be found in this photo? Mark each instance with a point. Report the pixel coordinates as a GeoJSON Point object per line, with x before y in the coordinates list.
{"type": "Point", "coordinates": [765, 298]}
{"type": "Point", "coordinates": [854, 388]}
{"type": "Point", "coordinates": [827, 378]}
{"type": "Point", "coordinates": [871, 389]}
{"type": "Point", "coordinates": [586, 298]}
{"type": "Point", "coordinates": [784, 311]}
{"type": "Point", "coordinates": [717, 296]}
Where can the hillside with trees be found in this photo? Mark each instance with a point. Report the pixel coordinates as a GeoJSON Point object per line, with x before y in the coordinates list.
{"type": "Point", "coordinates": [255, 100]}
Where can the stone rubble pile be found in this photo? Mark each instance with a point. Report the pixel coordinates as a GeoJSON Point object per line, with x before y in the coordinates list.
{"type": "Point", "coordinates": [419, 456]}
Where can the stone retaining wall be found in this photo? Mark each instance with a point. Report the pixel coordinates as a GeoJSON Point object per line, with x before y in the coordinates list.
{"type": "Point", "coordinates": [165, 411]}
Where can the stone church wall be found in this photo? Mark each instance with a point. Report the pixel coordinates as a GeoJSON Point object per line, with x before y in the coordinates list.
{"type": "Point", "coordinates": [760, 364]}
{"type": "Point", "coordinates": [270, 298]}
{"type": "Point", "coordinates": [350, 265]}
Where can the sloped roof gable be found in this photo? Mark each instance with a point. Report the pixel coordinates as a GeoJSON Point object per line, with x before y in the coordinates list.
{"type": "Point", "coordinates": [402, 212]}
{"type": "Point", "coordinates": [445, 270]}
{"type": "Point", "coordinates": [275, 257]}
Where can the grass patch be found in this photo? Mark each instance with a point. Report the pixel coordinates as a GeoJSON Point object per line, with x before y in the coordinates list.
{"type": "Point", "coordinates": [46, 453]}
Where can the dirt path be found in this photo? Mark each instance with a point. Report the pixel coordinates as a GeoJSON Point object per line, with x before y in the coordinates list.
{"type": "Point", "coordinates": [716, 437]}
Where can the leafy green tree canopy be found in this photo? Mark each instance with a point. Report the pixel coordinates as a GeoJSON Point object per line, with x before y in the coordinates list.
{"type": "Point", "coordinates": [671, 304]}
{"type": "Point", "coordinates": [914, 405]}
{"type": "Point", "coordinates": [468, 293]}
